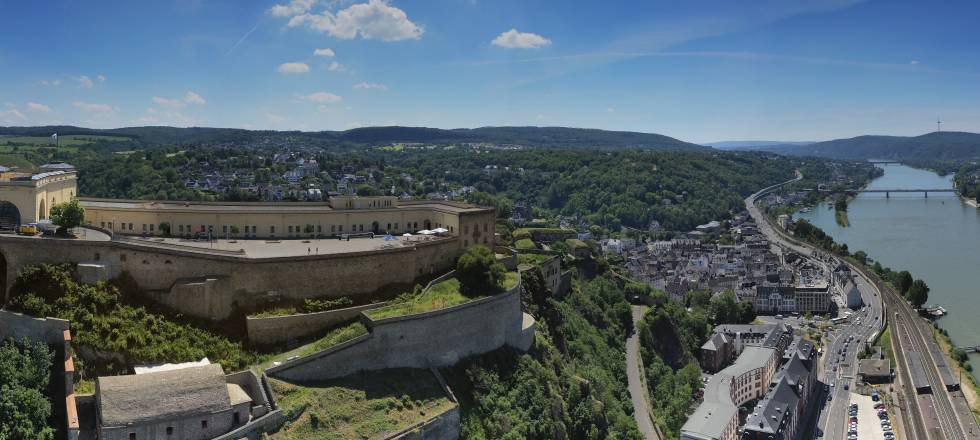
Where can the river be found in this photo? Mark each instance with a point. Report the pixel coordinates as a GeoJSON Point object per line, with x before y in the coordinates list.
{"type": "Point", "coordinates": [937, 239]}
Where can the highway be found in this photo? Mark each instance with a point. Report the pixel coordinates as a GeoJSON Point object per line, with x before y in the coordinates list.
{"type": "Point", "coordinates": [940, 415]}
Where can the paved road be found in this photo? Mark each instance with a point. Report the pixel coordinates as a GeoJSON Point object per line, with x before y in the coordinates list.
{"type": "Point", "coordinates": [638, 392]}
{"type": "Point", "coordinates": [839, 361]}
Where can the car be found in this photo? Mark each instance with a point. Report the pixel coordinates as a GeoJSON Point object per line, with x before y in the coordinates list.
{"type": "Point", "coordinates": [847, 386]}
{"type": "Point", "coordinates": [28, 229]}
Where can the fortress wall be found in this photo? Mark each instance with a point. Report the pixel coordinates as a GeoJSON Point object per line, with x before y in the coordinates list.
{"type": "Point", "coordinates": [19, 326]}
{"type": "Point", "coordinates": [445, 426]}
{"type": "Point", "coordinates": [433, 339]}
{"type": "Point", "coordinates": [279, 329]}
{"type": "Point", "coordinates": [237, 279]}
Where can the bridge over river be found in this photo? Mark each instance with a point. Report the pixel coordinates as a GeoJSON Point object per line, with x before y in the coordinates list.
{"type": "Point", "coordinates": [924, 191]}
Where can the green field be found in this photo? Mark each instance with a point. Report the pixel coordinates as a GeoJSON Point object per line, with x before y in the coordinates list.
{"type": "Point", "coordinates": [15, 160]}
{"type": "Point", "coordinates": [360, 406]}
{"type": "Point", "coordinates": [68, 143]}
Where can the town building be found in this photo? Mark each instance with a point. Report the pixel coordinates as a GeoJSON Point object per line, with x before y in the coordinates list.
{"type": "Point", "coordinates": [28, 198]}
{"type": "Point", "coordinates": [759, 350]}
{"type": "Point", "coordinates": [192, 403]}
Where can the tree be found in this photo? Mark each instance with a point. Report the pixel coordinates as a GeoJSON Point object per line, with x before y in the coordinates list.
{"type": "Point", "coordinates": [367, 191]}
{"type": "Point", "coordinates": [861, 257]}
{"type": "Point", "coordinates": [24, 376]}
{"type": "Point", "coordinates": [165, 228]}
{"type": "Point", "coordinates": [918, 294]}
{"type": "Point", "coordinates": [478, 271]}
{"type": "Point", "coordinates": [903, 280]}
{"type": "Point", "coordinates": [68, 215]}
{"type": "Point", "coordinates": [234, 229]}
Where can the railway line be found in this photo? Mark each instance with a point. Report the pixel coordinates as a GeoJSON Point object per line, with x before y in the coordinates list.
{"type": "Point", "coordinates": [910, 324]}
{"type": "Point", "coordinates": [904, 323]}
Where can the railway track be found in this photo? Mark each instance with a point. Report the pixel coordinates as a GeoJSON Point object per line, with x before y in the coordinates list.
{"type": "Point", "coordinates": [948, 419]}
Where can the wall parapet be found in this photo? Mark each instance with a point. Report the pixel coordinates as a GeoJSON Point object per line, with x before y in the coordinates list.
{"type": "Point", "coordinates": [436, 338]}
{"type": "Point", "coordinates": [278, 329]}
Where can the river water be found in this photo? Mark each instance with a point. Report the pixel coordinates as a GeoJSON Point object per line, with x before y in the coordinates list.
{"type": "Point", "coordinates": [937, 239]}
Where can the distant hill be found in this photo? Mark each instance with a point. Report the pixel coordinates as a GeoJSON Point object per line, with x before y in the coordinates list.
{"type": "Point", "coordinates": [752, 145]}
{"type": "Point", "coordinates": [946, 145]}
{"type": "Point", "coordinates": [542, 137]}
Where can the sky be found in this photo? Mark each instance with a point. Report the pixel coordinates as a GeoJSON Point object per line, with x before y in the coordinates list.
{"type": "Point", "coordinates": [700, 71]}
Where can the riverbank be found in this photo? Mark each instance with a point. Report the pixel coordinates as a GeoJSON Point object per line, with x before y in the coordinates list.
{"type": "Point", "coordinates": [970, 202]}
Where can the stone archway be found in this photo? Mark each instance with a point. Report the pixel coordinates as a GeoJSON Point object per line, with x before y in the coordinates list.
{"type": "Point", "coordinates": [41, 212]}
{"type": "Point", "coordinates": [375, 227]}
{"type": "Point", "coordinates": [9, 216]}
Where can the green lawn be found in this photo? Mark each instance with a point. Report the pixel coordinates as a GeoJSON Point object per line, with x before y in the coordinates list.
{"type": "Point", "coordinates": [360, 406]}
{"type": "Point", "coordinates": [524, 243]}
{"type": "Point", "coordinates": [440, 296]}
{"type": "Point", "coordinates": [533, 259]}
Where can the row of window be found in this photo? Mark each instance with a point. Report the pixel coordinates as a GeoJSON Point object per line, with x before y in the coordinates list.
{"type": "Point", "coordinates": [291, 229]}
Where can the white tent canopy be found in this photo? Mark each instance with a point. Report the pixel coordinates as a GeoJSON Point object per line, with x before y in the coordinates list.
{"type": "Point", "coordinates": [425, 232]}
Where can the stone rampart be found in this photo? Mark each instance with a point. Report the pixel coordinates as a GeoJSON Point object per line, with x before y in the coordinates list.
{"type": "Point", "coordinates": [444, 426]}
{"type": "Point", "coordinates": [270, 330]}
{"type": "Point", "coordinates": [18, 326]}
{"type": "Point", "coordinates": [432, 339]}
{"type": "Point", "coordinates": [241, 280]}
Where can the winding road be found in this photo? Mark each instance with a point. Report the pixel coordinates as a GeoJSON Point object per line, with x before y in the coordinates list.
{"type": "Point", "coordinates": [637, 387]}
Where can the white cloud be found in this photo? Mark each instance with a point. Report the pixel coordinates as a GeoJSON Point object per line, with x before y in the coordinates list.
{"type": "Point", "coordinates": [92, 107]}
{"type": "Point", "coordinates": [294, 68]}
{"type": "Point", "coordinates": [193, 98]}
{"type": "Point", "coordinates": [35, 107]}
{"type": "Point", "coordinates": [322, 97]}
{"type": "Point", "coordinates": [157, 117]}
{"type": "Point", "coordinates": [914, 62]}
{"type": "Point", "coordinates": [53, 83]}
{"type": "Point", "coordinates": [367, 85]}
{"type": "Point", "coordinates": [294, 7]}
{"type": "Point", "coordinates": [336, 67]}
{"type": "Point", "coordinates": [12, 114]}
{"type": "Point", "coordinates": [189, 98]}
{"type": "Point", "coordinates": [375, 19]}
{"type": "Point", "coordinates": [514, 39]}
{"type": "Point", "coordinates": [610, 110]}
{"type": "Point", "coordinates": [167, 102]}
{"type": "Point", "coordinates": [326, 52]}
{"type": "Point", "coordinates": [274, 118]}
{"type": "Point", "coordinates": [84, 82]}
{"type": "Point", "coordinates": [322, 109]}
{"type": "Point", "coordinates": [101, 78]}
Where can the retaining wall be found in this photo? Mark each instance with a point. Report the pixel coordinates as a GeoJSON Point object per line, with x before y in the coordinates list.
{"type": "Point", "coordinates": [180, 277]}
{"type": "Point", "coordinates": [281, 329]}
{"type": "Point", "coordinates": [432, 339]}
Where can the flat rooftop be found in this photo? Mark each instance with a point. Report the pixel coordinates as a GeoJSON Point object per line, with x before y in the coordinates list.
{"type": "Point", "coordinates": [264, 207]}
{"type": "Point", "coordinates": [272, 248]}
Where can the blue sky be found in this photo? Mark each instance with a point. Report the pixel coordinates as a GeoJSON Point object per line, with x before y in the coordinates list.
{"type": "Point", "coordinates": [696, 70]}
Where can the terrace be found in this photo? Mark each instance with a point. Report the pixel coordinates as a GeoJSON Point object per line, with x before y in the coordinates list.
{"type": "Point", "coordinates": [438, 296]}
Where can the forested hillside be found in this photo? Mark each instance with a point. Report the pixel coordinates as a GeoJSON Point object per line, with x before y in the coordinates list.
{"type": "Point", "coordinates": [545, 137]}
{"type": "Point", "coordinates": [946, 145]}
{"type": "Point", "coordinates": [571, 385]}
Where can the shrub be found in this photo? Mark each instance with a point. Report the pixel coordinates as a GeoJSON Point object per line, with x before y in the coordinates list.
{"type": "Point", "coordinates": [478, 271]}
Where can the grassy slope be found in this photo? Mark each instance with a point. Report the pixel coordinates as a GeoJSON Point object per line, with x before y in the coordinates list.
{"type": "Point", "coordinates": [360, 406]}
{"type": "Point", "coordinates": [439, 296]}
